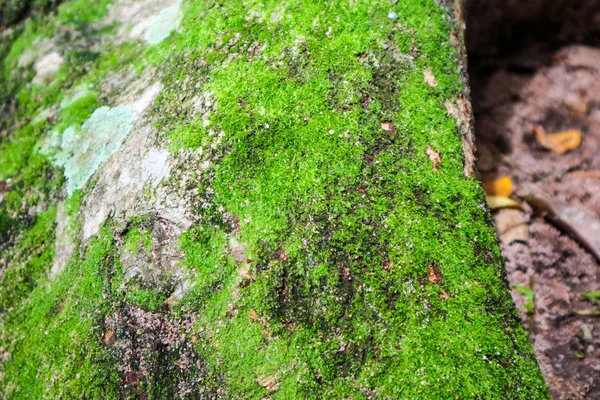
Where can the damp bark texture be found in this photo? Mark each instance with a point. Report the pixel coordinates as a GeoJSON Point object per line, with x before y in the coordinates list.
{"type": "Point", "coordinates": [247, 199]}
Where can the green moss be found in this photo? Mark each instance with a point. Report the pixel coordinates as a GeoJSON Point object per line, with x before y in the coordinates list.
{"type": "Point", "coordinates": [77, 112]}
{"type": "Point", "coordinates": [52, 332]}
{"type": "Point", "coordinates": [136, 241]}
{"type": "Point", "coordinates": [32, 257]}
{"type": "Point", "coordinates": [33, 29]}
{"type": "Point", "coordinates": [147, 299]}
{"type": "Point", "coordinates": [80, 13]}
{"type": "Point", "coordinates": [33, 178]}
{"type": "Point", "coordinates": [343, 222]}
{"type": "Point", "coordinates": [205, 250]}
{"type": "Point", "coordinates": [12, 11]}
{"type": "Point", "coordinates": [340, 224]}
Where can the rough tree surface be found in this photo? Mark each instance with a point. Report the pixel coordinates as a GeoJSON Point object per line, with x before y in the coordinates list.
{"type": "Point", "coordinates": [246, 199]}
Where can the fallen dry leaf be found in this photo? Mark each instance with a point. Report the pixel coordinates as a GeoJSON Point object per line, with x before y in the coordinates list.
{"type": "Point", "coordinates": [109, 337]}
{"type": "Point", "coordinates": [590, 312]}
{"type": "Point", "coordinates": [501, 187]}
{"type": "Point", "coordinates": [434, 274]}
{"type": "Point", "coordinates": [434, 156]}
{"type": "Point", "coordinates": [511, 226]}
{"type": "Point", "coordinates": [253, 316]}
{"type": "Point", "coordinates": [269, 382]}
{"type": "Point", "coordinates": [582, 224]}
{"type": "Point", "coordinates": [559, 142]}
{"type": "Point", "coordinates": [577, 105]}
{"type": "Point", "coordinates": [498, 202]}
{"type": "Point", "coordinates": [585, 174]}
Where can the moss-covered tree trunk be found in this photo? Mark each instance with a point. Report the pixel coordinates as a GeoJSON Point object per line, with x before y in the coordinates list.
{"type": "Point", "coordinates": [248, 199]}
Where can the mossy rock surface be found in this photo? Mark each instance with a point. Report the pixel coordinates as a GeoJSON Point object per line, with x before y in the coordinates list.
{"type": "Point", "coordinates": [247, 199]}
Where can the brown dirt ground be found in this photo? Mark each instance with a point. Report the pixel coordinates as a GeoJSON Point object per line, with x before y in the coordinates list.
{"type": "Point", "coordinates": [558, 90]}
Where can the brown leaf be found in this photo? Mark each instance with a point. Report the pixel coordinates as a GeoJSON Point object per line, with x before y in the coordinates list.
{"type": "Point", "coordinates": [501, 187]}
{"type": "Point", "coordinates": [434, 157]}
{"type": "Point", "coordinates": [577, 105]}
{"type": "Point", "coordinates": [590, 312]}
{"type": "Point", "coordinates": [434, 274]}
{"type": "Point", "coordinates": [387, 265]}
{"type": "Point", "coordinates": [559, 142]}
{"type": "Point", "coordinates": [511, 226]}
{"type": "Point", "coordinates": [585, 174]}
{"type": "Point", "coordinates": [579, 222]}
{"type": "Point", "coordinates": [497, 202]}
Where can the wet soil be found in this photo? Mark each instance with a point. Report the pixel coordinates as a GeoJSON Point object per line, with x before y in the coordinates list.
{"type": "Point", "coordinates": [541, 66]}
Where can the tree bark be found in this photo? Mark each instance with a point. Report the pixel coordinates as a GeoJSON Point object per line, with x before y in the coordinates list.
{"type": "Point", "coordinates": [248, 199]}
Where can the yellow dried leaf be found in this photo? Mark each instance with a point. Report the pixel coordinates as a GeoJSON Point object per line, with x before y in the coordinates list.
{"type": "Point", "coordinates": [498, 202]}
{"type": "Point", "coordinates": [511, 226]}
{"type": "Point", "coordinates": [559, 142]}
{"type": "Point", "coordinates": [501, 187]}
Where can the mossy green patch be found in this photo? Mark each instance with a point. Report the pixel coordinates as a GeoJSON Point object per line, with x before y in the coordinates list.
{"type": "Point", "coordinates": [369, 272]}
{"type": "Point", "coordinates": [147, 299]}
{"type": "Point", "coordinates": [32, 257]}
{"type": "Point", "coordinates": [331, 259]}
{"type": "Point", "coordinates": [52, 330]}
{"type": "Point", "coordinates": [136, 240]}
{"type": "Point", "coordinates": [77, 112]}
{"type": "Point", "coordinates": [79, 13]}
{"type": "Point", "coordinates": [12, 11]}
{"type": "Point", "coordinates": [33, 179]}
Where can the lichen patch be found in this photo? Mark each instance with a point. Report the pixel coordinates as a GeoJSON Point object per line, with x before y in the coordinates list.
{"type": "Point", "coordinates": [100, 136]}
{"type": "Point", "coordinates": [163, 24]}
{"type": "Point", "coordinates": [149, 20]}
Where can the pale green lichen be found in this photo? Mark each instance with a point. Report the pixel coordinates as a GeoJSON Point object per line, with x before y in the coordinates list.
{"type": "Point", "coordinates": [165, 22]}
{"type": "Point", "coordinates": [83, 151]}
